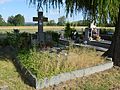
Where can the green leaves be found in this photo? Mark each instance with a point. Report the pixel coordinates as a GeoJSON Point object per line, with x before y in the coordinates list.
{"type": "Point", "coordinates": [101, 11]}
{"type": "Point", "coordinates": [17, 20]}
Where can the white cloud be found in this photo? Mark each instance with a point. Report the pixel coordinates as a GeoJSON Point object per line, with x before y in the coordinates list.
{"type": "Point", "coordinates": [4, 1]}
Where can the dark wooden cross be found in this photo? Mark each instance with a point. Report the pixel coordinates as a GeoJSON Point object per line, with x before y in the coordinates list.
{"type": "Point", "coordinates": [40, 20]}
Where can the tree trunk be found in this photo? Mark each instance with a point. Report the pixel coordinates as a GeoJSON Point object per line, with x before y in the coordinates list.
{"type": "Point", "coordinates": [114, 50]}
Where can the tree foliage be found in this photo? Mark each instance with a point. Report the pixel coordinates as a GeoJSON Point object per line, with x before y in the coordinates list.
{"type": "Point", "coordinates": [61, 21]}
{"type": "Point", "coordinates": [10, 20]}
{"type": "Point", "coordinates": [99, 10]}
{"type": "Point", "coordinates": [2, 22]}
{"type": "Point", "coordinates": [17, 20]}
{"type": "Point", "coordinates": [51, 23]}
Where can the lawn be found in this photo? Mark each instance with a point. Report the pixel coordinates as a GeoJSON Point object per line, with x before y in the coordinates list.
{"type": "Point", "coordinates": [107, 80]}
{"type": "Point", "coordinates": [45, 64]}
{"type": "Point", "coordinates": [10, 77]}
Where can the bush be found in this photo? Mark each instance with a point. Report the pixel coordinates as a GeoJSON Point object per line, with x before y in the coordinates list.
{"type": "Point", "coordinates": [55, 35]}
{"type": "Point", "coordinates": [21, 40]}
{"type": "Point", "coordinates": [68, 31]}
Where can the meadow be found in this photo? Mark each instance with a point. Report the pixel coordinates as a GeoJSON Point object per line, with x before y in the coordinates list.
{"type": "Point", "coordinates": [33, 29]}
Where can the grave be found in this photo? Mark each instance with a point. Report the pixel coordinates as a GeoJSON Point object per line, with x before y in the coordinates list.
{"type": "Point", "coordinates": [92, 33]}
{"type": "Point", "coordinates": [92, 37]}
{"type": "Point", "coordinates": [40, 33]}
{"type": "Point", "coordinates": [41, 38]}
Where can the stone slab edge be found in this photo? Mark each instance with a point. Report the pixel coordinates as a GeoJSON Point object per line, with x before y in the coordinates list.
{"type": "Point", "coordinates": [55, 80]}
{"type": "Point", "coordinates": [31, 79]}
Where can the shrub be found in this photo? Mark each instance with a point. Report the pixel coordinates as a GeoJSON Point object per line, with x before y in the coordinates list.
{"type": "Point", "coordinates": [21, 40]}
{"type": "Point", "coordinates": [55, 35]}
{"type": "Point", "coordinates": [68, 31]}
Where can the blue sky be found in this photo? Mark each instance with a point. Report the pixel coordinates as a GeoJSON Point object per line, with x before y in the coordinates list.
{"type": "Point", "coordinates": [13, 7]}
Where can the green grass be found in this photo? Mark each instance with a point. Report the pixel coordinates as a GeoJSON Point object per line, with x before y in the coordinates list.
{"type": "Point", "coordinates": [107, 80]}
{"type": "Point", "coordinates": [10, 77]}
{"type": "Point", "coordinates": [45, 64]}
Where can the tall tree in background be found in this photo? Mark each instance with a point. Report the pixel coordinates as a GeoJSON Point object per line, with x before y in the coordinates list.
{"type": "Point", "coordinates": [61, 21]}
{"type": "Point", "coordinates": [10, 20]}
{"type": "Point", "coordinates": [17, 20]}
{"type": "Point", "coordinates": [100, 10]}
{"type": "Point", "coordinates": [51, 23]}
{"type": "Point", "coordinates": [2, 22]}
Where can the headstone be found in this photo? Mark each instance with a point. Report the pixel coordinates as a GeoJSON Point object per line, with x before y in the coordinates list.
{"type": "Point", "coordinates": [87, 35]}
{"type": "Point", "coordinates": [92, 33]}
{"type": "Point", "coordinates": [48, 37]}
{"type": "Point", "coordinates": [40, 19]}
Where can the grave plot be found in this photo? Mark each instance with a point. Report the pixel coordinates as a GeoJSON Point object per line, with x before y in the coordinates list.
{"type": "Point", "coordinates": [10, 78]}
{"type": "Point", "coordinates": [45, 65]}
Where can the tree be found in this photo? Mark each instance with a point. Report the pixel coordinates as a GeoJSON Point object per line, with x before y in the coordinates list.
{"type": "Point", "coordinates": [99, 10]}
{"type": "Point", "coordinates": [51, 23]}
{"type": "Point", "coordinates": [2, 22]}
{"type": "Point", "coordinates": [61, 21]}
{"type": "Point", "coordinates": [10, 20]}
{"type": "Point", "coordinates": [19, 20]}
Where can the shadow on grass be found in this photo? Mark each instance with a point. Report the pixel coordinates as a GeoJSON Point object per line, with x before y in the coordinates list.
{"type": "Point", "coordinates": [10, 53]}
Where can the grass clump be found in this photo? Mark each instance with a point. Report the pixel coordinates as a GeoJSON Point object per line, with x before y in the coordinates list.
{"type": "Point", "coordinates": [45, 64]}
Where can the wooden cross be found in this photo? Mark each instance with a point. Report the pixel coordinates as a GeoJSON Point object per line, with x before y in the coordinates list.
{"type": "Point", "coordinates": [40, 20]}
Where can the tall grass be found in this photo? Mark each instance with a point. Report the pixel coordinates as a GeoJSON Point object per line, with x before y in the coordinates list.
{"type": "Point", "coordinates": [45, 64]}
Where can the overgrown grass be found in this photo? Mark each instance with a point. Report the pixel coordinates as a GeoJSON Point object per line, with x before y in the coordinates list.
{"type": "Point", "coordinates": [10, 77]}
{"type": "Point", "coordinates": [45, 64]}
{"type": "Point", "coordinates": [107, 80]}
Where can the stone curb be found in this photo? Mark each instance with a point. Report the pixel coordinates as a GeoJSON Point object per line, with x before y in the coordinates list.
{"type": "Point", "coordinates": [55, 80]}
{"type": "Point", "coordinates": [31, 79]}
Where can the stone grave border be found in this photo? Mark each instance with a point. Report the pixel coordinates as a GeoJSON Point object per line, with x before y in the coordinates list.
{"type": "Point", "coordinates": [55, 80]}
{"type": "Point", "coordinates": [25, 73]}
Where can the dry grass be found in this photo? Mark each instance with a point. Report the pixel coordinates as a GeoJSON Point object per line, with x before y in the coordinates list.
{"type": "Point", "coordinates": [107, 80]}
{"type": "Point", "coordinates": [10, 77]}
{"type": "Point", "coordinates": [32, 29]}
{"type": "Point", "coordinates": [83, 57]}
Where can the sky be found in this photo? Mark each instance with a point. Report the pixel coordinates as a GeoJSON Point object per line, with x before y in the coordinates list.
{"type": "Point", "coordinates": [14, 7]}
